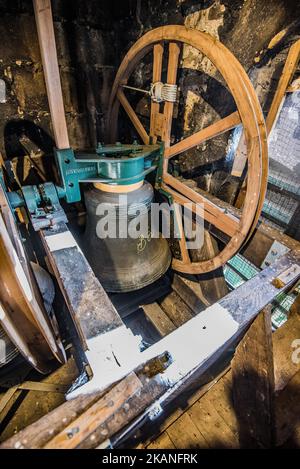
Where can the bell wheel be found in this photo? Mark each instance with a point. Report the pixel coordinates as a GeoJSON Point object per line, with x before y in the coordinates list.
{"type": "Point", "coordinates": [168, 41]}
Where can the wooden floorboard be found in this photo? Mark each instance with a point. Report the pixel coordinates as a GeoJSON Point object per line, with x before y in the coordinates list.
{"type": "Point", "coordinates": [211, 419]}
{"type": "Point", "coordinates": [185, 435]}
{"type": "Point", "coordinates": [209, 423]}
{"type": "Point", "coordinates": [162, 442]}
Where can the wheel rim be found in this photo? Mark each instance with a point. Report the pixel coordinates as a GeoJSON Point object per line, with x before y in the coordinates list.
{"type": "Point", "coordinates": [248, 113]}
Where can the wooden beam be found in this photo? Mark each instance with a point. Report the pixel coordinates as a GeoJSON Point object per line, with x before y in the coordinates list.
{"type": "Point", "coordinates": [159, 319]}
{"type": "Point", "coordinates": [90, 308]}
{"type": "Point", "coordinates": [82, 427]}
{"type": "Point", "coordinates": [213, 284]}
{"type": "Point", "coordinates": [176, 309]}
{"type": "Point", "coordinates": [190, 292]}
{"type": "Point", "coordinates": [181, 240]}
{"type": "Point", "coordinates": [174, 51]}
{"type": "Point", "coordinates": [158, 51]}
{"type": "Point", "coordinates": [253, 383]}
{"type": "Point", "coordinates": [285, 79]}
{"type": "Point", "coordinates": [44, 23]}
{"type": "Point", "coordinates": [289, 69]}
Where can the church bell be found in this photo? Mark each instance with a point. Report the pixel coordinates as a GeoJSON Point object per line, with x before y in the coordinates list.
{"type": "Point", "coordinates": [123, 263]}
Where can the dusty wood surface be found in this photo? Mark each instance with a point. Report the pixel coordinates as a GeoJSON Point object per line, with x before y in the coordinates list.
{"type": "Point", "coordinates": [253, 382]}
{"type": "Point", "coordinates": [159, 319]}
{"type": "Point", "coordinates": [191, 293]}
{"type": "Point", "coordinates": [89, 305]}
{"type": "Point", "coordinates": [42, 403]}
{"type": "Point", "coordinates": [176, 309]}
{"type": "Point", "coordinates": [115, 407]}
{"type": "Point", "coordinates": [212, 418]}
{"type": "Point", "coordinates": [85, 424]}
{"type": "Point", "coordinates": [285, 344]}
{"type": "Point", "coordinates": [288, 71]}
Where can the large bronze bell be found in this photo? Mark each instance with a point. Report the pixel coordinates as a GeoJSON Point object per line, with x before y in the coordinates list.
{"type": "Point", "coordinates": [123, 264]}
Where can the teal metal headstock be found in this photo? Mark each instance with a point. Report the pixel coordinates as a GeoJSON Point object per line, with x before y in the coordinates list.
{"type": "Point", "coordinates": [112, 164]}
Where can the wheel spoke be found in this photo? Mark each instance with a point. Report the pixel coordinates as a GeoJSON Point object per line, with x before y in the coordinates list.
{"type": "Point", "coordinates": [223, 125]}
{"type": "Point", "coordinates": [158, 51]}
{"type": "Point", "coordinates": [211, 212]}
{"type": "Point", "coordinates": [133, 117]}
{"type": "Point", "coordinates": [182, 241]}
{"type": "Point", "coordinates": [174, 51]}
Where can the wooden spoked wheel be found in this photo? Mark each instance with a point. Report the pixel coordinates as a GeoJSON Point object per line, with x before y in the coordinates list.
{"type": "Point", "coordinates": [248, 114]}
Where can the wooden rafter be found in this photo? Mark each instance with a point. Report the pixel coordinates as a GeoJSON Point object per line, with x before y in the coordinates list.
{"type": "Point", "coordinates": [44, 23]}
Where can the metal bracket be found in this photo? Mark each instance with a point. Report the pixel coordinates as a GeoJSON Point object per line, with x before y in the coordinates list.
{"type": "Point", "coordinates": [112, 164]}
{"type": "Point", "coordinates": [43, 205]}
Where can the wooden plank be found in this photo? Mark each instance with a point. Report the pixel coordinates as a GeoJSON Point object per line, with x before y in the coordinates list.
{"type": "Point", "coordinates": [283, 338]}
{"type": "Point", "coordinates": [96, 415]}
{"type": "Point", "coordinates": [190, 291]}
{"type": "Point", "coordinates": [259, 291]}
{"type": "Point", "coordinates": [152, 389]}
{"type": "Point", "coordinates": [158, 125]}
{"type": "Point", "coordinates": [211, 425]}
{"type": "Point", "coordinates": [213, 284]}
{"type": "Point", "coordinates": [285, 79]}
{"type": "Point", "coordinates": [181, 240]}
{"type": "Point", "coordinates": [44, 22]}
{"type": "Point", "coordinates": [287, 405]}
{"type": "Point", "coordinates": [240, 158]}
{"type": "Point", "coordinates": [253, 383]}
{"type": "Point", "coordinates": [289, 69]}
{"type": "Point", "coordinates": [156, 130]}
{"type": "Point", "coordinates": [185, 435]}
{"type": "Point", "coordinates": [159, 319]}
{"type": "Point", "coordinates": [221, 398]}
{"type": "Point", "coordinates": [89, 305]}
{"type": "Point", "coordinates": [46, 428]}
{"type": "Point", "coordinates": [24, 419]}
{"type": "Point", "coordinates": [133, 117]}
{"type": "Point", "coordinates": [176, 309]}
{"type": "Point", "coordinates": [185, 401]}
{"type": "Point", "coordinates": [162, 442]}
{"type": "Point", "coordinates": [174, 51]}
{"type": "Point", "coordinates": [38, 433]}
{"type": "Point", "coordinates": [223, 125]}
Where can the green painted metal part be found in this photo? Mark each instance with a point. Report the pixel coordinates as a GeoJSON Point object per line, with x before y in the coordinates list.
{"type": "Point", "coordinates": [111, 164]}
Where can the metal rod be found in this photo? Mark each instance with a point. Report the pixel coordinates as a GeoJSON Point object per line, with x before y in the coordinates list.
{"type": "Point", "coordinates": [136, 89]}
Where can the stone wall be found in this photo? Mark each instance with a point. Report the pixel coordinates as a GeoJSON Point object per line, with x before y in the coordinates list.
{"type": "Point", "coordinates": [92, 37]}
